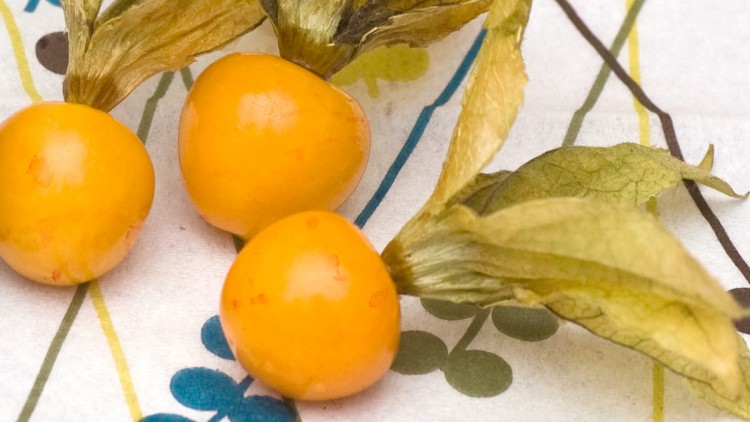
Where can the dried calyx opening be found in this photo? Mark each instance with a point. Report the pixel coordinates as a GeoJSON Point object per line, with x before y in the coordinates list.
{"type": "Point", "coordinates": [325, 36]}
{"type": "Point", "coordinates": [113, 52]}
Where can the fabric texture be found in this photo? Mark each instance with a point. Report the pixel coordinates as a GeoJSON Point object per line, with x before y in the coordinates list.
{"type": "Point", "coordinates": [144, 341]}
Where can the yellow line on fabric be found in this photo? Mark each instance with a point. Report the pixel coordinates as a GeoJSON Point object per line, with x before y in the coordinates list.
{"type": "Point", "coordinates": [644, 138]}
{"type": "Point", "coordinates": [24, 72]}
{"type": "Point", "coordinates": [644, 129]}
{"type": "Point", "coordinates": [657, 401]}
{"type": "Point", "coordinates": [117, 353]}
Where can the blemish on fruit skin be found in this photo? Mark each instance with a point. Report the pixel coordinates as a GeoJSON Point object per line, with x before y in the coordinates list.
{"type": "Point", "coordinates": [312, 223]}
{"type": "Point", "coordinates": [235, 304]}
{"type": "Point", "coordinates": [339, 275]}
{"type": "Point", "coordinates": [334, 260]}
{"type": "Point", "coordinates": [298, 154]}
{"type": "Point", "coordinates": [132, 233]}
{"type": "Point", "coordinates": [38, 170]}
{"type": "Point", "coordinates": [56, 275]}
{"type": "Point", "coordinates": [378, 298]}
{"type": "Point", "coordinates": [46, 232]}
{"type": "Point", "coordinates": [260, 299]}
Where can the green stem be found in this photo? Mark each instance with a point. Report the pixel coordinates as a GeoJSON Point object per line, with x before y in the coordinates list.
{"type": "Point", "coordinates": [472, 331]}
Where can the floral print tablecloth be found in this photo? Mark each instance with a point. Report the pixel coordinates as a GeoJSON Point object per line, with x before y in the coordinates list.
{"type": "Point", "coordinates": [144, 341]}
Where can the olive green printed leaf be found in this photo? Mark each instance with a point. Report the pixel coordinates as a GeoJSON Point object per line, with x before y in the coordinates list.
{"type": "Point", "coordinates": [524, 323]}
{"type": "Point", "coordinates": [491, 101]}
{"type": "Point", "coordinates": [607, 267]}
{"type": "Point", "coordinates": [419, 352]}
{"type": "Point", "coordinates": [737, 406]}
{"type": "Point", "coordinates": [478, 373]}
{"type": "Point", "coordinates": [134, 41]}
{"type": "Point", "coordinates": [398, 63]}
{"type": "Point", "coordinates": [450, 311]}
{"type": "Point", "coordinates": [628, 173]}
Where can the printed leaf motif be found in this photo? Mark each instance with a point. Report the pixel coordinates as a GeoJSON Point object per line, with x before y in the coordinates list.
{"type": "Point", "coordinates": [419, 352]}
{"type": "Point", "coordinates": [212, 390]}
{"type": "Point", "coordinates": [449, 311]}
{"type": "Point", "coordinates": [628, 173]}
{"type": "Point", "coordinates": [165, 417]}
{"type": "Point", "coordinates": [609, 268]}
{"type": "Point", "coordinates": [204, 389]}
{"type": "Point", "coordinates": [527, 324]}
{"type": "Point", "coordinates": [214, 340]}
{"type": "Point", "coordinates": [398, 63]}
{"type": "Point", "coordinates": [133, 41]}
{"type": "Point", "coordinates": [261, 409]}
{"type": "Point", "coordinates": [477, 373]}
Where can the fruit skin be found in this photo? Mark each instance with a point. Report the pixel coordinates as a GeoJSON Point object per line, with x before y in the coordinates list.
{"type": "Point", "coordinates": [309, 309]}
{"type": "Point", "coordinates": [261, 138]}
{"type": "Point", "coordinates": [75, 188]}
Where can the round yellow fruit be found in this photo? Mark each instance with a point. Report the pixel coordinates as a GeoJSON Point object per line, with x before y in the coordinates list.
{"type": "Point", "coordinates": [261, 138]}
{"type": "Point", "coordinates": [75, 188]}
{"type": "Point", "coordinates": [309, 309]}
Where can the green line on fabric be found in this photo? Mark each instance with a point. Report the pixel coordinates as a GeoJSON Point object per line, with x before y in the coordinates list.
{"type": "Point", "coordinates": [52, 352]}
{"type": "Point", "coordinates": [187, 77]}
{"type": "Point", "coordinates": [601, 79]}
{"type": "Point", "coordinates": [150, 109]}
{"type": "Point", "coordinates": [476, 324]}
{"type": "Point", "coordinates": [75, 304]}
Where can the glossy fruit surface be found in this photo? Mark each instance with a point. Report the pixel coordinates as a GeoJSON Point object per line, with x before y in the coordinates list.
{"type": "Point", "coordinates": [261, 138]}
{"type": "Point", "coordinates": [309, 309]}
{"type": "Point", "coordinates": [75, 188]}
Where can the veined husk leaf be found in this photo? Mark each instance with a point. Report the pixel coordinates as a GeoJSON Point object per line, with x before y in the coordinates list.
{"type": "Point", "coordinates": [491, 101]}
{"type": "Point", "coordinates": [707, 163]}
{"type": "Point", "coordinates": [326, 35]}
{"type": "Point", "coordinates": [609, 268]}
{"type": "Point", "coordinates": [739, 407]}
{"type": "Point", "coordinates": [132, 40]}
{"type": "Point", "coordinates": [605, 266]}
{"type": "Point", "coordinates": [629, 174]}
